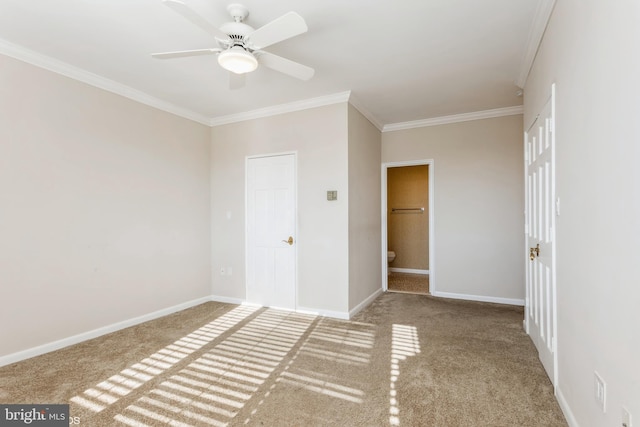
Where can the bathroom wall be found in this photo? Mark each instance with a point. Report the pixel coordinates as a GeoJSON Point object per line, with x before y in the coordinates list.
{"type": "Point", "coordinates": [408, 231]}
{"type": "Point", "coordinates": [478, 206]}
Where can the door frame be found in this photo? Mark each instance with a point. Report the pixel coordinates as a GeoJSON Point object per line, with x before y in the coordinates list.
{"type": "Point", "coordinates": [246, 219]}
{"type": "Point", "coordinates": [383, 209]}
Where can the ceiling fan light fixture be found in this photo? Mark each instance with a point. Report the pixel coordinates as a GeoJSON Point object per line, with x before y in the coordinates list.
{"type": "Point", "coordinates": [237, 60]}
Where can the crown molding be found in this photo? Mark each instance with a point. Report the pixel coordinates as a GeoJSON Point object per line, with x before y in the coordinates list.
{"type": "Point", "coordinates": [457, 118]}
{"type": "Point", "coordinates": [290, 107]}
{"type": "Point", "coordinates": [42, 61]}
{"type": "Point", "coordinates": [355, 102]}
{"type": "Point", "coordinates": [538, 27]}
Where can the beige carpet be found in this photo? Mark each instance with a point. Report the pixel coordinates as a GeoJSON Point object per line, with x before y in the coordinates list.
{"type": "Point", "coordinates": [408, 360]}
{"type": "Point", "coordinates": [408, 282]}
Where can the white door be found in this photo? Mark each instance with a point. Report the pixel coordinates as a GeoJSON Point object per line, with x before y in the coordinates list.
{"type": "Point", "coordinates": [540, 301]}
{"type": "Point", "coordinates": [271, 225]}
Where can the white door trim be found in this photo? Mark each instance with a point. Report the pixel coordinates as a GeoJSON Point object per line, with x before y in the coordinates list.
{"type": "Point", "coordinates": [383, 209]}
{"type": "Point", "coordinates": [246, 226]}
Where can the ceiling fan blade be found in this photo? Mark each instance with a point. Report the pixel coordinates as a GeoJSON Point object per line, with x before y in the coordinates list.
{"type": "Point", "coordinates": [288, 25]}
{"type": "Point", "coordinates": [184, 53]}
{"type": "Point", "coordinates": [236, 81]}
{"type": "Point", "coordinates": [284, 65]}
{"type": "Point", "coordinates": [195, 18]}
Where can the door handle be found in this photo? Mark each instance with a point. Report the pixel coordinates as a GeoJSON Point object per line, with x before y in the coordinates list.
{"type": "Point", "coordinates": [289, 241]}
{"type": "Point", "coordinates": [534, 252]}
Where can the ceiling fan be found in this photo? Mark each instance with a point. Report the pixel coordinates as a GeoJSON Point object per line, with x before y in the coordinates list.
{"type": "Point", "coordinates": [240, 45]}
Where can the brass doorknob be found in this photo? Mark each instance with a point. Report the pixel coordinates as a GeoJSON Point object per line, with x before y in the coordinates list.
{"type": "Point", "coordinates": [534, 252]}
{"type": "Point", "coordinates": [289, 241]}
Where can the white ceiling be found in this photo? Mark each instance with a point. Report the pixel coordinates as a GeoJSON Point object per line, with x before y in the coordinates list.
{"type": "Point", "coordinates": [402, 60]}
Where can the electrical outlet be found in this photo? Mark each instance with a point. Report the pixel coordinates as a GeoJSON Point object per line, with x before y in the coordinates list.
{"type": "Point", "coordinates": [626, 418]}
{"type": "Point", "coordinates": [601, 391]}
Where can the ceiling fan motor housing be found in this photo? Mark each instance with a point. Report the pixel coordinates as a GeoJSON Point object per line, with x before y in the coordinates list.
{"type": "Point", "coordinates": [236, 31]}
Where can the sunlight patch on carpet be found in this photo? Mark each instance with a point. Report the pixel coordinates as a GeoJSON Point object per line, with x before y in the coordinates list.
{"type": "Point", "coordinates": [404, 343]}
{"type": "Point", "coordinates": [213, 388]}
{"type": "Point", "coordinates": [111, 390]}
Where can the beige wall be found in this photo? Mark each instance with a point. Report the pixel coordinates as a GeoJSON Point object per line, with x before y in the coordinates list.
{"type": "Point", "coordinates": [408, 231]}
{"type": "Point", "coordinates": [104, 208]}
{"type": "Point", "coordinates": [478, 206]}
{"type": "Point", "coordinates": [590, 50]}
{"type": "Point", "coordinates": [319, 137]}
{"type": "Point", "coordinates": [365, 253]}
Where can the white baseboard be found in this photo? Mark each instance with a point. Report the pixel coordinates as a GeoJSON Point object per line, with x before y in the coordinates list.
{"type": "Point", "coordinates": [327, 313]}
{"type": "Point", "coordinates": [566, 409]}
{"type": "Point", "coordinates": [497, 300]}
{"type": "Point", "coordinates": [364, 303]}
{"type": "Point", "coordinates": [75, 339]}
{"type": "Point", "coordinates": [408, 270]}
{"type": "Point", "coordinates": [302, 310]}
{"type": "Point", "coordinates": [228, 300]}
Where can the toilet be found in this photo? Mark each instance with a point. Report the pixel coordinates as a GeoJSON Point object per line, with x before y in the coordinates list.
{"type": "Point", "coordinates": [390, 257]}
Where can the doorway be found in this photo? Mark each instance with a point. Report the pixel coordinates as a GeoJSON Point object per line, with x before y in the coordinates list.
{"type": "Point", "coordinates": [407, 227]}
{"type": "Point", "coordinates": [271, 231]}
